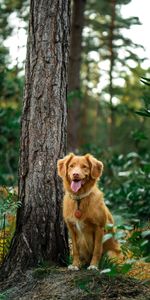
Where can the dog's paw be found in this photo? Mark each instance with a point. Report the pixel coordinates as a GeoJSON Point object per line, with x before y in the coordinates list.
{"type": "Point", "coordinates": [73, 268]}
{"type": "Point", "coordinates": [92, 267]}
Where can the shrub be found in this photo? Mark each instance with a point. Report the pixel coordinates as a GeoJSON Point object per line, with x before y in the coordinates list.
{"type": "Point", "coordinates": [9, 145]}
{"type": "Point", "coordinates": [127, 189]}
{"type": "Point", "coordinates": [8, 207]}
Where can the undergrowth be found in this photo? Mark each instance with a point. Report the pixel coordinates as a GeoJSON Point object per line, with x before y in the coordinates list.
{"type": "Point", "coordinates": [8, 208]}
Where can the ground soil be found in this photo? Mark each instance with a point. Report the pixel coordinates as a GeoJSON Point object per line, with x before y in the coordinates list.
{"type": "Point", "coordinates": [61, 284]}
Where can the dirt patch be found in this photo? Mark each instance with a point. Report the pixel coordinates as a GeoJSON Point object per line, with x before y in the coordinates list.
{"type": "Point", "coordinates": [61, 284]}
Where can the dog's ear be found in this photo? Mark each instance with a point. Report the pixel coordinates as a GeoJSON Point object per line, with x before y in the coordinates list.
{"type": "Point", "coordinates": [62, 164]}
{"type": "Point", "coordinates": [95, 165]}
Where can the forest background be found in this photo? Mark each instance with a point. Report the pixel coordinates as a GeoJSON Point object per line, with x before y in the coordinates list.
{"type": "Point", "coordinates": [108, 109]}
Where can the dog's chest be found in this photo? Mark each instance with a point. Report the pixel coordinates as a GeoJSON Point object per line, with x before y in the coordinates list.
{"type": "Point", "coordinates": [79, 225]}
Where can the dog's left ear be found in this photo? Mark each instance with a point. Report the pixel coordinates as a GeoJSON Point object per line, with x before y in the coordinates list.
{"type": "Point", "coordinates": [62, 164]}
{"type": "Point", "coordinates": [96, 166]}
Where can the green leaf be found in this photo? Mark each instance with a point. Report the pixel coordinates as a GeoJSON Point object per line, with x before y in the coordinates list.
{"type": "Point", "coordinates": [119, 235]}
{"type": "Point", "coordinates": [147, 79]}
{"type": "Point", "coordinates": [144, 243]}
{"type": "Point", "coordinates": [132, 155]}
{"type": "Point", "coordinates": [145, 82]}
{"type": "Point", "coordinates": [109, 226]}
{"type": "Point", "coordinates": [126, 268]}
{"type": "Point", "coordinates": [106, 237]}
{"type": "Point", "coordinates": [145, 233]}
{"type": "Point", "coordinates": [126, 227]}
{"type": "Point", "coordinates": [131, 261]}
{"type": "Point", "coordinates": [145, 113]}
{"type": "Point", "coordinates": [105, 271]}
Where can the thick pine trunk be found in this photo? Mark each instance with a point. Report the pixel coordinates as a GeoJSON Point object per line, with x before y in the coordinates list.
{"type": "Point", "coordinates": [74, 108]}
{"type": "Point", "coordinates": [40, 233]}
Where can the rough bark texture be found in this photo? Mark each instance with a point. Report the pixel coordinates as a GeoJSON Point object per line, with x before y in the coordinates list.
{"type": "Point", "coordinates": [40, 232]}
{"type": "Point", "coordinates": [74, 73]}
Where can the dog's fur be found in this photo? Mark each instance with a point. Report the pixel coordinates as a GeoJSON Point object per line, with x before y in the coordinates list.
{"type": "Point", "coordinates": [80, 175]}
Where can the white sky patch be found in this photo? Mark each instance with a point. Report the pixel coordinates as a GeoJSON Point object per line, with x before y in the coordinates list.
{"type": "Point", "coordinates": [120, 81]}
{"type": "Point", "coordinates": [139, 33]}
{"type": "Point", "coordinates": [17, 42]}
{"type": "Point", "coordinates": [94, 55]}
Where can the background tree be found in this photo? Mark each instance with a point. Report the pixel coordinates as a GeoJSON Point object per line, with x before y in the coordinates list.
{"type": "Point", "coordinates": [74, 81]}
{"type": "Point", "coordinates": [11, 86]}
{"type": "Point", "coordinates": [107, 59]}
{"type": "Point", "coordinates": [40, 233]}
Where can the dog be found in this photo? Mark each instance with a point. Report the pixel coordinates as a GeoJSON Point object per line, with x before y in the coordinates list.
{"type": "Point", "coordinates": [84, 210]}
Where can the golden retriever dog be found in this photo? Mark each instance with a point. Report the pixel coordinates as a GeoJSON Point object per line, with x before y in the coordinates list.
{"type": "Point", "coordinates": [84, 210]}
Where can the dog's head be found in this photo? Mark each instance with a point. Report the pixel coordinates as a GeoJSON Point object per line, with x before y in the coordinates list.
{"type": "Point", "coordinates": [79, 172]}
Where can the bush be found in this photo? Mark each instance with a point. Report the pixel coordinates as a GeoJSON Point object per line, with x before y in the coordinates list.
{"type": "Point", "coordinates": [127, 189]}
{"type": "Point", "coordinates": [8, 207]}
{"type": "Point", "coordinates": [9, 145]}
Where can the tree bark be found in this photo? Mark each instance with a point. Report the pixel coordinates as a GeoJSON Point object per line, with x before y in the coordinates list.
{"type": "Point", "coordinates": [74, 107]}
{"type": "Point", "coordinates": [112, 58]}
{"type": "Point", "coordinates": [40, 232]}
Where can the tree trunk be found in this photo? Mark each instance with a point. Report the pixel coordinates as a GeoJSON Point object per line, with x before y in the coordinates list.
{"type": "Point", "coordinates": [40, 232]}
{"type": "Point", "coordinates": [84, 137]}
{"type": "Point", "coordinates": [74, 107]}
{"type": "Point", "coordinates": [111, 49]}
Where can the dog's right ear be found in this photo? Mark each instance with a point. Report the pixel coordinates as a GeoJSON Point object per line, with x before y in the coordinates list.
{"type": "Point", "coordinates": [62, 165]}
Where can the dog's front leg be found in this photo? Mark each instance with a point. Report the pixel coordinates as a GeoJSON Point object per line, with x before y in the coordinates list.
{"type": "Point", "coordinates": [97, 252]}
{"type": "Point", "coordinates": [76, 260]}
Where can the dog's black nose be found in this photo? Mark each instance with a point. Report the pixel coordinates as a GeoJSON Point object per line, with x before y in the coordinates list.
{"type": "Point", "coordinates": [76, 175]}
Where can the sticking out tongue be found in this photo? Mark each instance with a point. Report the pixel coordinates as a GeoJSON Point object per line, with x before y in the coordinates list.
{"type": "Point", "coordinates": [76, 185]}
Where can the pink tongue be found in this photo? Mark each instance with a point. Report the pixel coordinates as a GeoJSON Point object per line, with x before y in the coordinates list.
{"type": "Point", "coordinates": [75, 185]}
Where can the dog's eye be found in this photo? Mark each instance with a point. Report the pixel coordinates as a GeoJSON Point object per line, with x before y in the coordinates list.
{"type": "Point", "coordinates": [84, 166]}
{"type": "Point", "coordinates": [71, 166]}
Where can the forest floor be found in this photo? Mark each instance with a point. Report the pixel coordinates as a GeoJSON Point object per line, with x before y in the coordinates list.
{"type": "Point", "coordinates": [61, 284]}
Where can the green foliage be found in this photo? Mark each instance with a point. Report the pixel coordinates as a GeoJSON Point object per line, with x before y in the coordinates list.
{"type": "Point", "coordinates": [76, 94]}
{"type": "Point", "coordinates": [145, 81]}
{"type": "Point", "coordinates": [126, 180]}
{"type": "Point", "coordinates": [3, 296]}
{"type": "Point", "coordinates": [8, 203]}
{"type": "Point", "coordinates": [11, 88]}
{"type": "Point", "coordinates": [111, 268]}
{"type": "Point", "coordinates": [9, 145]}
{"type": "Point", "coordinates": [42, 272]}
{"type": "Point", "coordinates": [84, 283]}
{"type": "Point", "coordinates": [139, 244]}
{"type": "Point", "coordinates": [3, 62]}
{"type": "Point", "coordinates": [105, 36]}
{"type": "Point", "coordinates": [127, 189]}
{"type": "Point", "coordinates": [145, 112]}
{"type": "Point", "coordinates": [136, 240]}
{"type": "Point", "coordinates": [135, 244]}
{"type": "Point", "coordinates": [8, 207]}
{"type": "Point", "coordinates": [8, 7]}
